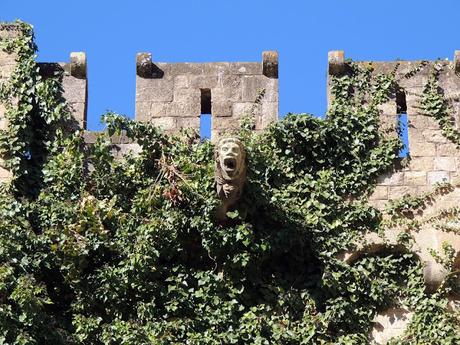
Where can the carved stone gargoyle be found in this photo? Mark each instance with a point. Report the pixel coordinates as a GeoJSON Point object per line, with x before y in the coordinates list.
{"type": "Point", "coordinates": [230, 173]}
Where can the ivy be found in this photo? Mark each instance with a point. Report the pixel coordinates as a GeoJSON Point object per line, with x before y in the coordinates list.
{"type": "Point", "coordinates": [109, 251]}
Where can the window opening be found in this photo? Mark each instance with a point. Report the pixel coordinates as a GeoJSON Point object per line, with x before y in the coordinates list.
{"type": "Point", "coordinates": [401, 108]}
{"type": "Point", "coordinates": [205, 117]}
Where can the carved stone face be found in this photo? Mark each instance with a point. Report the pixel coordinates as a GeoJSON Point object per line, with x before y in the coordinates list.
{"type": "Point", "coordinates": [231, 157]}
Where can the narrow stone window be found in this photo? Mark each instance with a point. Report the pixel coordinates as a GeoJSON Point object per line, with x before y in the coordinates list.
{"type": "Point", "coordinates": [401, 107]}
{"type": "Point", "coordinates": [205, 117]}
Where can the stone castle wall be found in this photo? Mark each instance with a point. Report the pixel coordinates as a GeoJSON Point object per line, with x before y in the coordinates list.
{"type": "Point", "coordinates": [174, 95]}
{"type": "Point", "coordinates": [432, 159]}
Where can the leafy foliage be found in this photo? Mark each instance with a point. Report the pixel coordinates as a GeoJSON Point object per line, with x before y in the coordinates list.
{"type": "Point", "coordinates": [107, 251]}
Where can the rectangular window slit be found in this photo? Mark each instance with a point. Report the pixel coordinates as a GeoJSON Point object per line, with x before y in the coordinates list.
{"type": "Point", "coordinates": [206, 117]}
{"type": "Point", "coordinates": [403, 134]}
{"type": "Point", "coordinates": [401, 108]}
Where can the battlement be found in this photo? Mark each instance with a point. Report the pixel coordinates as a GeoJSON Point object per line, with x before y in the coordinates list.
{"type": "Point", "coordinates": [174, 95]}
{"type": "Point", "coordinates": [432, 157]}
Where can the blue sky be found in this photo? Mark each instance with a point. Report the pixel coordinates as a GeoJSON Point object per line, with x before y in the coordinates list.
{"type": "Point", "coordinates": [112, 32]}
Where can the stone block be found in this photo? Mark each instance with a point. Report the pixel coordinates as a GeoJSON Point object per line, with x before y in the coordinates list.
{"type": "Point", "coordinates": [225, 123]}
{"type": "Point", "coordinates": [158, 109]}
{"type": "Point", "coordinates": [421, 121]}
{"type": "Point", "coordinates": [179, 109]}
{"type": "Point", "coordinates": [155, 90]}
{"type": "Point", "coordinates": [246, 68]}
{"type": "Point", "coordinates": [187, 95]}
{"type": "Point", "coordinates": [203, 81]}
{"type": "Point", "coordinates": [445, 163]}
{"type": "Point", "coordinates": [422, 164]}
{"type": "Point", "coordinates": [448, 149]}
{"type": "Point", "coordinates": [143, 111]}
{"type": "Point", "coordinates": [415, 178]}
{"type": "Point", "coordinates": [252, 87]}
{"type": "Point", "coordinates": [216, 68]}
{"type": "Point", "coordinates": [336, 62]}
{"type": "Point", "coordinates": [188, 122]}
{"type": "Point", "coordinates": [434, 177]}
{"type": "Point", "coordinates": [222, 108]}
{"type": "Point", "coordinates": [396, 192]}
{"type": "Point", "coordinates": [78, 65]}
{"type": "Point", "coordinates": [227, 93]}
{"type": "Point", "coordinates": [455, 179]}
{"type": "Point", "coordinates": [434, 136]}
{"type": "Point", "coordinates": [270, 64]}
{"type": "Point", "coordinates": [415, 135]}
{"type": "Point", "coordinates": [78, 110]}
{"type": "Point", "coordinates": [457, 61]}
{"type": "Point", "coordinates": [185, 68]}
{"type": "Point", "coordinates": [269, 113]}
{"type": "Point", "coordinates": [422, 149]}
{"type": "Point", "coordinates": [181, 81]}
{"type": "Point", "coordinates": [380, 193]}
{"type": "Point", "coordinates": [74, 89]}
{"type": "Point", "coordinates": [391, 179]}
{"type": "Point", "coordinates": [166, 123]}
{"type": "Point", "coordinates": [242, 109]}
{"type": "Point", "coordinates": [144, 65]}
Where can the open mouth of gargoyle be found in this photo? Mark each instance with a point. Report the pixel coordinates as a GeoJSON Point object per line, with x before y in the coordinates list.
{"type": "Point", "coordinates": [229, 163]}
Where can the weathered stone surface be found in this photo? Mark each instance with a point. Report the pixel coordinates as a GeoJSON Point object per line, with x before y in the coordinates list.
{"type": "Point", "coordinates": [415, 178]}
{"type": "Point", "coordinates": [445, 163]}
{"type": "Point", "coordinates": [181, 82]}
{"type": "Point", "coordinates": [254, 86]}
{"type": "Point", "coordinates": [230, 173]}
{"type": "Point", "coordinates": [242, 109]}
{"type": "Point", "coordinates": [187, 95]}
{"type": "Point", "coordinates": [396, 192]}
{"type": "Point", "coordinates": [188, 122]}
{"type": "Point", "coordinates": [437, 177]}
{"type": "Point", "coordinates": [144, 65]}
{"type": "Point", "coordinates": [245, 68]}
{"type": "Point", "coordinates": [391, 179]}
{"type": "Point", "coordinates": [448, 149]}
{"type": "Point", "coordinates": [159, 90]}
{"type": "Point", "coordinates": [166, 123]}
{"type": "Point", "coordinates": [457, 61]}
{"type": "Point", "coordinates": [380, 193]}
{"type": "Point", "coordinates": [78, 65]}
{"type": "Point", "coordinates": [422, 163]}
{"type": "Point", "coordinates": [270, 64]}
{"type": "Point", "coordinates": [390, 323]}
{"type": "Point", "coordinates": [222, 108]}
{"type": "Point", "coordinates": [421, 149]}
{"type": "Point", "coordinates": [336, 61]}
{"type": "Point", "coordinates": [204, 81]}
{"type": "Point", "coordinates": [434, 136]}
{"type": "Point", "coordinates": [178, 92]}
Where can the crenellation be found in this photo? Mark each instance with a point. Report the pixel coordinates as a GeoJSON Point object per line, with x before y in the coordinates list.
{"type": "Point", "coordinates": [178, 93]}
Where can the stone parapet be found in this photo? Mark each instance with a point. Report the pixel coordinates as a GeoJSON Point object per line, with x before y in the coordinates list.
{"type": "Point", "coordinates": [174, 95]}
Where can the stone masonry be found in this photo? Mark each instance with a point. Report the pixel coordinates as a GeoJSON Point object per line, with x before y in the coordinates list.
{"type": "Point", "coordinates": [174, 95]}
{"type": "Point", "coordinates": [74, 82]}
{"type": "Point", "coordinates": [432, 159]}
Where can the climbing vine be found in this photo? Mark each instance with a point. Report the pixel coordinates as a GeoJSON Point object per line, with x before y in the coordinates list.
{"type": "Point", "coordinates": [110, 251]}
